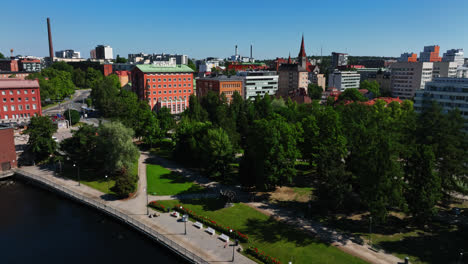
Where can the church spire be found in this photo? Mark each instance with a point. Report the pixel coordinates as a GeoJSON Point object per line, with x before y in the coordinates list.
{"type": "Point", "coordinates": [289, 59]}
{"type": "Point", "coordinates": [302, 51]}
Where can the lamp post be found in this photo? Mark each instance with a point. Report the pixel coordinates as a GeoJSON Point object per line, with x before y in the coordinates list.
{"type": "Point", "coordinates": [233, 246]}
{"type": "Point", "coordinates": [184, 219]}
{"type": "Point", "coordinates": [370, 231]}
{"type": "Point", "coordinates": [78, 167]}
{"type": "Point", "coordinates": [107, 183]}
{"type": "Point", "coordinates": [147, 209]}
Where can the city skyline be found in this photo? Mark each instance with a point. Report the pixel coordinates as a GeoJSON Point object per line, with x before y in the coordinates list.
{"type": "Point", "coordinates": [274, 28]}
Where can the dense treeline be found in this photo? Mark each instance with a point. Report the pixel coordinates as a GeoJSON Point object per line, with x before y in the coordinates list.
{"type": "Point", "coordinates": [380, 157]}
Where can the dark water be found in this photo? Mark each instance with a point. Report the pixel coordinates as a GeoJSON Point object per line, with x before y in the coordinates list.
{"type": "Point", "coordinates": [37, 226]}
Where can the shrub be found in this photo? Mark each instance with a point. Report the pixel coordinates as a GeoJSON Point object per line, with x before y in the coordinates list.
{"type": "Point", "coordinates": [158, 206]}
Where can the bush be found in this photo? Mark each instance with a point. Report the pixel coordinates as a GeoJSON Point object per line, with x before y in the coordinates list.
{"type": "Point", "coordinates": [207, 221]}
{"type": "Point", "coordinates": [124, 185]}
{"type": "Point", "coordinates": [158, 206]}
{"type": "Point", "coordinates": [260, 255]}
{"type": "Point", "coordinates": [75, 116]}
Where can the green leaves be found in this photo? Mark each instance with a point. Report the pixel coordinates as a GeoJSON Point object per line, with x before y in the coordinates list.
{"type": "Point", "coordinates": [40, 132]}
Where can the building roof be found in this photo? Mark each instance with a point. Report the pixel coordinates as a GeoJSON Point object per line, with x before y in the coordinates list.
{"type": "Point", "coordinates": [156, 68]}
{"type": "Point", "coordinates": [222, 78]}
{"type": "Point", "coordinates": [302, 50]}
{"type": "Point", "coordinates": [18, 83]}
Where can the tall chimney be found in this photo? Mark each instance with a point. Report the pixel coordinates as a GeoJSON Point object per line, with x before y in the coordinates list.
{"type": "Point", "coordinates": [236, 50]}
{"type": "Point", "coordinates": [51, 48]}
{"type": "Point", "coordinates": [251, 56]}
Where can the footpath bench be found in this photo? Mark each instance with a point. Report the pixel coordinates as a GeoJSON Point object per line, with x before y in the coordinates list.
{"type": "Point", "coordinates": [224, 237]}
{"type": "Point", "coordinates": [210, 231]}
{"type": "Point", "coordinates": [198, 224]}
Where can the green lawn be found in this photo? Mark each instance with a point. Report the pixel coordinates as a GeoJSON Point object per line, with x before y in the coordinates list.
{"type": "Point", "coordinates": [275, 238]}
{"type": "Point", "coordinates": [162, 181]}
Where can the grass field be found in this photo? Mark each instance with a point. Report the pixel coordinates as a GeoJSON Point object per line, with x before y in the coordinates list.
{"type": "Point", "coordinates": [162, 181]}
{"type": "Point", "coordinates": [275, 238]}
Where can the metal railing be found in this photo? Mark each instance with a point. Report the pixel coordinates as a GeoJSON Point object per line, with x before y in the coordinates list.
{"type": "Point", "coordinates": [130, 220]}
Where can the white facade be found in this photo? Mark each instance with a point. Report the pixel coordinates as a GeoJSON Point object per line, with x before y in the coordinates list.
{"type": "Point", "coordinates": [208, 65]}
{"type": "Point", "coordinates": [67, 54]}
{"type": "Point", "coordinates": [454, 55]}
{"type": "Point", "coordinates": [108, 53]}
{"type": "Point", "coordinates": [449, 93]}
{"type": "Point", "coordinates": [444, 69]}
{"type": "Point", "coordinates": [462, 72]}
{"type": "Point", "coordinates": [259, 83]}
{"type": "Point", "coordinates": [343, 80]}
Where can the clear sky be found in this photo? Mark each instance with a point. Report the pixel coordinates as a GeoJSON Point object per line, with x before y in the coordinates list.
{"type": "Point", "coordinates": [212, 28]}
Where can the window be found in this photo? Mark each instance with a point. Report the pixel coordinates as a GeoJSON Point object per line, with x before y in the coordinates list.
{"type": "Point", "coordinates": [170, 91]}
{"type": "Point", "coordinates": [154, 92]}
{"type": "Point", "coordinates": [154, 80]}
{"type": "Point", "coordinates": [3, 92]}
{"type": "Point", "coordinates": [189, 85]}
{"type": "Point", "coordinates": [170, 80]}
{"type": "Point", "coordinates": [175, 91]}
{"type": "Point", "coordinates": [170, 85]}
{"type": "Point", "coordinates": [6, 116]}
{"type": "Point", "coordinates": [12, 99]}
{"type": "Point", "coordinates": [18, 92]}
{"type": "Point", "coordinates": [34, 98]}
{"type": "Point", "coordinates": [159, 86]}
{"type": "Point", "coordinates": [27, 107]}
{"type": "Point", "coordinates": [29, 115]}
{"type": "Point", "coordinates": [180, 91]}
{"type": "Point", "coordinates": [4, 100]}
{"type": "Point", "coordinates": [165, 86]}
{"type": "Point", "coordinates": [185, 84]}
{"type": "Point", "coordinates": [185, 91]}
{"type": "Point", "coordinates": [12, 108]}
{"type": "Point", "coordinates": [20, 107]}
{"type": "Point", "coordinates": [165, 92]}
{"type": "Point", "coordinates": [159, 92]}
{"type": "Point", "coordinates": [184, 79]}
{"type": "Point", "coordinates": [159, 79]}
{"type": "Point", "coordinates": [25, 91]}
{"type": "Point", "coordinates": [180, 85]}
{"type": "Point", "coordinates": [26, 99]}
{"type": "Point", "coordinates": [154, 85]}
{"type": "Point", "coordinates": [11, 92]}
{"type": "Point", "coordinates": [34, 106]}
{"type": "Point", "coordinates": [33, 92]}
{"type": "Point", "coordinates": [5, 108]}
{"type": "Point", "coordinates": [189, 90]}
{"type": "Point", "coordinates": [19, 99]}
{"type": "Point", "coordinates": [164, 79]}
{"type": "Point", "coordinates": [180, 79]}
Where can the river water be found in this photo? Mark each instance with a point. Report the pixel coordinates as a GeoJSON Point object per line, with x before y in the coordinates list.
{"type": "Point", "coordinates": [37, 226]}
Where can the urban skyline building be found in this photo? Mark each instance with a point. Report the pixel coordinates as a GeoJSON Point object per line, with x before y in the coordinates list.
{"type": "Point", "coordinates": [430, 54]}
{"type": "Point", "coordinates": [343, 80]}
{"type": "Point", "coordinates": [19, 100]}
{"type": "Point", "coordinates": [259, 83]}
{"type": "Point", "coordinates": [67, 54]}
{"type": "Point", "coordinates": [226, 85]}
{"type": "Point", "coordinates": [454, 55]}
{"type": "Point", "coordinates": [293, 76]}
{"type": "Point", "coordinates": [339, 59]}
{"type": "Point", "coordinates": [104, 52]}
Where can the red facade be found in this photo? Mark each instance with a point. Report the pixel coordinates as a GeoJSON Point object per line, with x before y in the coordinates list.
{"type": "Point", "coordinates": [19, 100]}
{"type": "Point", "coordinates": [8, 152]}
{"type": "Point", "coordinates": [163, 89]}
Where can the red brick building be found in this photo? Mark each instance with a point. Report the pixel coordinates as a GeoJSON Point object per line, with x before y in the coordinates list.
{"type": "Point", "coordinates": [163, 86]}
{"type": "Point", "coordinates": [8, 152]}
{"type": "Point", "coordinates": [221, 85]}
{"type": "Point", "coordinates": [243, 66]}
{"type": "Point", "coordinates": [9, 65]}
{"type": "Point", "coordinates": [19, 100]}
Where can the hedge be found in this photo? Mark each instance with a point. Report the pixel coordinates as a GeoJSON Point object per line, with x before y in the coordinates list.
{"type": "Point", "coordinates": [209, 222]}
{"type": "Point", "coordinates": [158, 206]}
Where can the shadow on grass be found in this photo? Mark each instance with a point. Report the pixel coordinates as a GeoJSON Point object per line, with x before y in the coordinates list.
{"type": "Point", "coordinates": [209, 204]}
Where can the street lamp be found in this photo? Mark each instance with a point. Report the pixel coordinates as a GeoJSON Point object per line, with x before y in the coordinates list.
{"type": "Point", "coordinates": [370, 231]}
{"type": "Point", "coordinates": [147, 210]}
{"type": "Point", "coordinates": [184, 219]}
{"type": "Point", "coordinates": [107, 183]}
{"type": "Point", "coordinates": [233, 246]}
{"type": "Point", "coordinates": [78, 167]}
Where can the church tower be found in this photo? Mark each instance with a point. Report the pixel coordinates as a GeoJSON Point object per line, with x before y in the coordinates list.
{"type": "Point", "coordinates": [302, 57]}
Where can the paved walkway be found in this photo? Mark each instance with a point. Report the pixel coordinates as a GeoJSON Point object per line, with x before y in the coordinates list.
{"type": "Point", "coordinates": [341, 241]}
{"type": "Point", "coordinates": [201, 243]}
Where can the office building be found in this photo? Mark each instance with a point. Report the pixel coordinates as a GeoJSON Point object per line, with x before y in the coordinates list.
{"type": "Point", "coordinates": [430, 54]}
{"type": "Point", "coordinates": [408, 77]}
{"type": "Point", "coordinates": [462, 72]}
{"type": "Point", "coordinates": [104, 52]}
{"type": "Point", "coordinates": [343, 80]}
{"type": "Point", "coordinates": [226, 85]}
{"type": "Point", "coordinates": [143, 58]}
{"type": "Point", "coordinates": [444, 69]}
{"type": "Point", "coordinates": [408, 57]}
{"type": "Point", "coordinates": [8, 158]}
{"type": "Point", "coordinates": [29, 65]}
{"type": "Point", "coordinates": [318, 79]}
{"type": "Point", "coordinates": [163, 86]}
{"type": "Point", "coordinates": [259, 83]}
{"type": "Point", "coordinates": [19, 100]}
{"type": "Point", "coordinates": [454, 55]}
{"type": "Point", "coordinates": [339, 59]}
{"type": "Point", "coordinates": [67, 54]}
{"type": "Point", "coordinates": [449, 93]}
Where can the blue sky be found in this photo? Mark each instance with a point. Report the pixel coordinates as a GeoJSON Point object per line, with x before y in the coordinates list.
{"type": "Point", "coordinates": [212, 28]}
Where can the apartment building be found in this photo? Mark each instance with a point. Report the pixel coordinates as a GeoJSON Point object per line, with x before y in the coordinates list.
{"type": "Point", "coordinates": [343, 80]}
{"type": "Point", "coordinates": [259, 83]}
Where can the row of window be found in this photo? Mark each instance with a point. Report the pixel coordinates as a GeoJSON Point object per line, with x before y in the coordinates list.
{"type": "Point", "coordinates": [170, 79]}
{"type": "Point", "coordinates": [26, 99]}
{"type": "Point", "coordinates": [170, 85]}
{"type": "Point", "coordinates": [170, 91]}
{"type": "Point", "coordinates": [231, 85]}
{"type": "Point", "coordinates": [20, 107]}
{"type": "Point", "coordinates": [18, 92]}
{"type": "Point", "coordinates": [17, 116]}
{"type": "Point", "coordinates": [170, 98]}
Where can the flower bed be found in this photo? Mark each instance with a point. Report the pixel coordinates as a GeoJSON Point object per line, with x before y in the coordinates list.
{"type": "Point", "coordinates": [209, 222]}
{"type": "Point", "coordinates": [158, 206]}
{"type": "Point", "coordinates": [260, 255]}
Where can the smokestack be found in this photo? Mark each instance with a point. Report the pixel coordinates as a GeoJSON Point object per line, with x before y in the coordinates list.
{"type": "Point", "coordinates": [236, 50]}
{"type": "Point", "coordinates": [51, 48]}
{"type": "Point", "coordinates": [251, 56]}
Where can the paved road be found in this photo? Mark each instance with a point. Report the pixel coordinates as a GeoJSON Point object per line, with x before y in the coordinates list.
{"type": "Point", "coordinates": [75, 103]}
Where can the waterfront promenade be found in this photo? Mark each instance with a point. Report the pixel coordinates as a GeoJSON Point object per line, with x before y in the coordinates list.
{"type": "Point", "coordinates": [196, 246]}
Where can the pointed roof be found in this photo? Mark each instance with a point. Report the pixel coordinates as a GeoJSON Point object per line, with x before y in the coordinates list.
{"type": "Point", "coordinates": [302, 51]}
{"type": "Point", "coordinates": [289, 59]}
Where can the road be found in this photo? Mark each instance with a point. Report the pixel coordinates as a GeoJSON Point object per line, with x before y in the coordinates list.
{"type": "Point", "coordinates": [75, 103]}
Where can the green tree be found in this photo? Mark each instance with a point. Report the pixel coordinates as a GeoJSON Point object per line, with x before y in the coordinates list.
{"type": "Point", "coordinates": [119, 59]}
{"type": "Point", "coordinates": [217, 152]}
{"type": "Point", "coordinates": [314, 91]}
{"type": "Point", "coordinates": [40, 132]}
{"type": "Point", "coordinates": [371, 86]}
{"type": "Point", "coordinates": [104, 95]}
{"type": "Point", "coordinates": [81, 148]}
{"type": "Point", "coordinates": [192, 65]}
{"type": "Point", "coordinates": [2, 56]}
{"type": "Point", "coordinates": [62, 66]}
{"type": "Point", "coordinates": [93, 77]}
{"type": "Point", "coordinates": [352, 94]}
{"type": "Point", "coordinates": [54, 84]}
{"type": "Point", "coordinates": [125, 185]}
{"type": "Point", "coordinates": [188, 137]}
{"type": "Point", "coordinates": [271, 153]}
{"type": "Point", "coordinates": [166, 120]}
{"type": "Point", "coordinates": [79, 78]}
{"type": "Point", "coordinates": [196, 111]}
{"type": "Point", "coordinates": [73, 115]}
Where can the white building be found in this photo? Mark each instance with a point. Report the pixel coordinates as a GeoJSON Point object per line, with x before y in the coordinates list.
{"type": "Point", "coordinates": [462, 72]}
{"type": "Point", "coordinates": [67, 54]}
{"type": "Point", "coordinates": [449, 93]}
{"type": "Point", "coordinates": [104, 52]}
{"type": "Point", "coordinates": [259, 83]}
{"type": "Point", "coordinates": [206, 66]}
{"type": "Point", "coordinates": [143, 58]}
{"type": "Point", "coordinates": [454, 55]}
{"type": "Point", "coordinates": [343, 80]}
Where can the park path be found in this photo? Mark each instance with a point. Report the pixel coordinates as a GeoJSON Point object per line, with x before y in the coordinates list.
{"type": "Point", "coordinates": [208, 247]}
{"type": "Point", "coordinates": [337, 239]}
